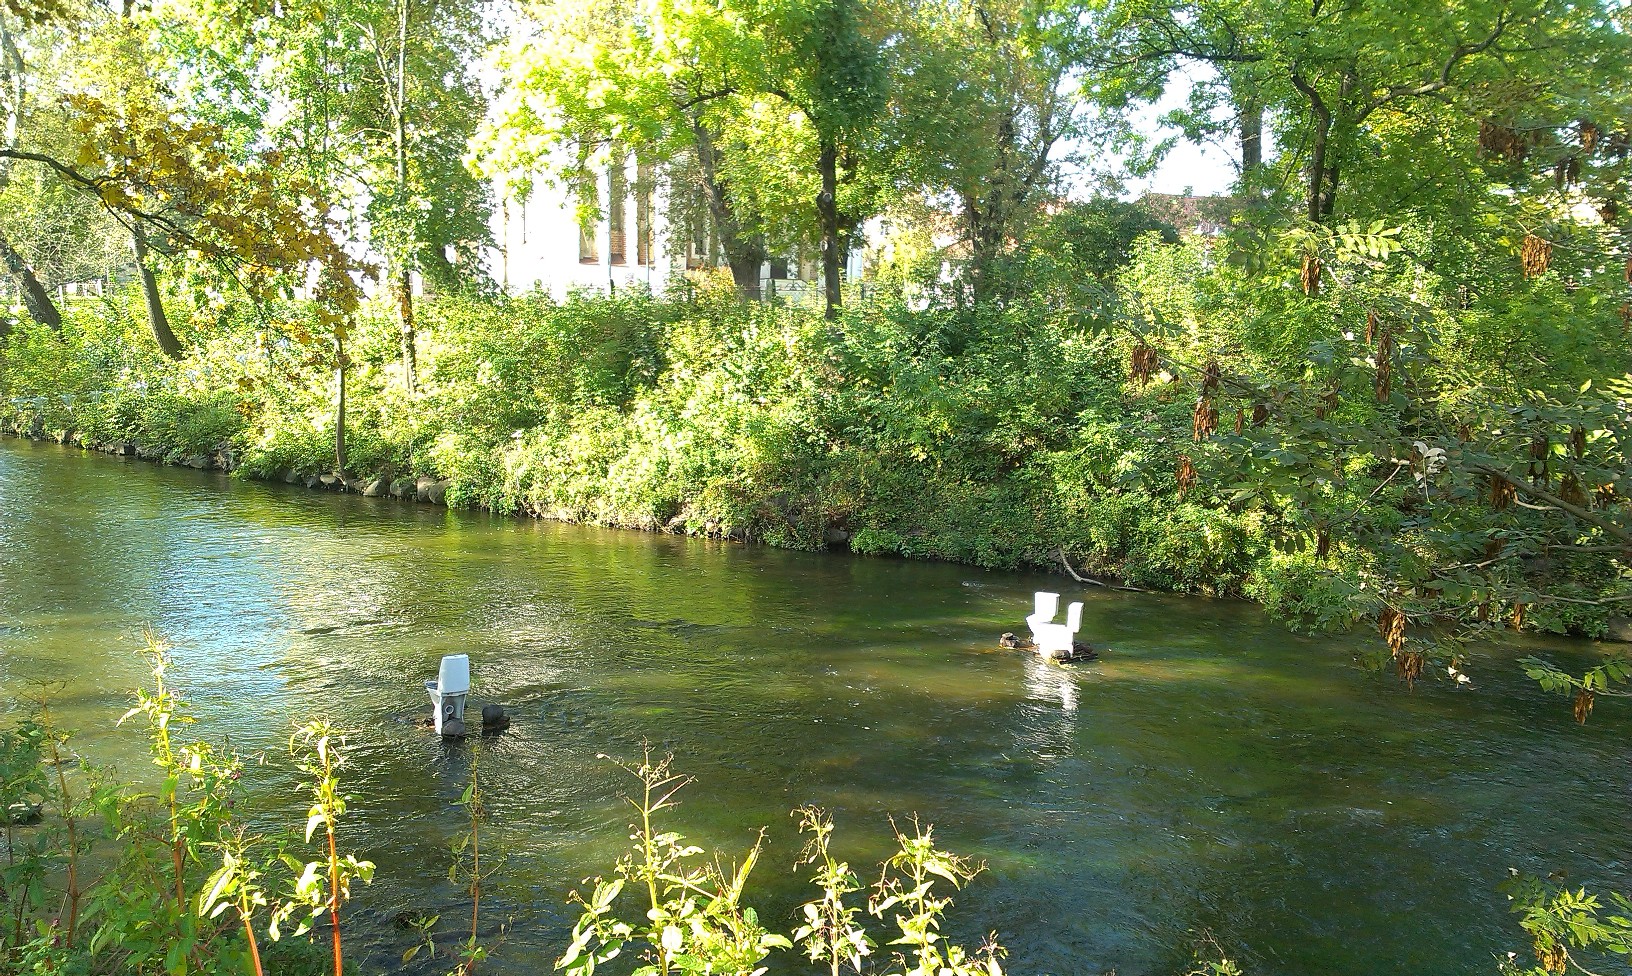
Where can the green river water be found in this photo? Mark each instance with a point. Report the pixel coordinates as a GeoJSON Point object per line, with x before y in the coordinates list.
{"type": "Point", "coordinates": [1212, 773]}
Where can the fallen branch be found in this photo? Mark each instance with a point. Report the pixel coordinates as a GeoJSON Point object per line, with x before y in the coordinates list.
{"type": "Point", "coordinates": [1073, 573]}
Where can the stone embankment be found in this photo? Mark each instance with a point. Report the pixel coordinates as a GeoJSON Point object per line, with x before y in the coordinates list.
{"type": "Point", "coordinates": [424, 488]}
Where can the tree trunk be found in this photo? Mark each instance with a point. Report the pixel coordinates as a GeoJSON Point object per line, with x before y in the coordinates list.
{"type": "Point", "coordinates": [1250, 117]}
{"type": "Point", "coordinates": [36, 300]}
{"type": "Point", "coordinates": [1316, 205]}
{"type": "Point", "coordinates": [827, 215]}
{"type": "Point", "coordinates": [405, 282]}
{"type": "Point", "coordinates": [155, 302]}
{"type": "Point", "coordinates": [744, 253]}
{"type": "Point", "coordinates": [340, 364]}
{"type": "Point", "coordinates": [405, 313]}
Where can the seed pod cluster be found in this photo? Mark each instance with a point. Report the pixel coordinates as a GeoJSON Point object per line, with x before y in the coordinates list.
{"type": "Point", "coordinates": [1567, 172]}
{"type": "Point", "coordinates": [1260, 414]}
{"type": "Point", "coordinates": [1240, 419]}
{"type": "Point", "coordinates": [1142, 364]}
{"type": "Point", "coordinates": [1502, 141]}
{"type": "Point", "coordinates": [1541, 449]}
{"type": "Point", "coordinates": [1309, 275]}
{"type": "Point", "coordinates": [1409, 666]}
{"type": "Point", "coordinates": [1371, 327]}
{"type": "Point", "coordinates": [1186, 475]}
{"type": "Point", "coordinates": [1323, 542]}
{"type": "Point", "coordinates": [1552, 957]}
{"type": "Point", "coordinates": [1590, 134]}
{"type": "Point", "coordinates": [1210, 375]}
{"type": "Point", "coordinates": [1620, 144]}
{"type": "Point", "coordinates": [1583, 706]}
{"type": "Point", "coordinates": [1391, 625]}
{"type": "Point", "coordinates": [1385, 365]}
{"type": "Point", "coordinates": [1578, 441]}
{"type": "Point", "coordinates": [1205, 420]}
{"type": "Point", "coordinates": [1609, 211]}
{"type": "Point", "coordinates": [1569, 489]}
{"type": "Point", "coordinates": [1502, 493]}
{"type": "Point", "coordinates": [1517, 620]}
{"type": "Point", "coordinates": [1535, 256]}
{"type": "Point", "coordinates": [1494, 546]}
{"type": "Point", "coordinates": [1626, 317]}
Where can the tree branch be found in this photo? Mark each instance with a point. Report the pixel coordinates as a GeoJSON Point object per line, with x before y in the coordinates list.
{"type": "Point", "coordinates": [1583, 514]}
{"type": "Point", "coordinates": [1460, 54]}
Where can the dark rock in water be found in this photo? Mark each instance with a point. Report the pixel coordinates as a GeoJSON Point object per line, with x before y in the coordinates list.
{"type": "Point", "coordinates": [422, 488]}
{"type": "Point", "coordinates": [24, 814]}
{"type": "Point", "coordinates": [1013, 641]}
{"type": "Point", "coordinates": [374, 489]}
{"type": "Point", "coordinates": [453, 729]}
{"type": "Point", "coordinates": [1079, 652]}
{"type": "Point", "coordinates": [403, 488]}
{"type": "Point", "coordinates": [438, 492]}
{"type": "Point", "coordinates": [494, 719]}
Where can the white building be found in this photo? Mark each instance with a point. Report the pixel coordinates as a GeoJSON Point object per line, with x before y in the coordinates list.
{"type": "Point", "coordinates": [640, 239]}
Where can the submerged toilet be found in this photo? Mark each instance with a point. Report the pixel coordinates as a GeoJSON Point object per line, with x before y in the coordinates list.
{"type": "Point", "coordinates": [448, 693]}
{"type": "Point", "coordinates": [1056, 640]}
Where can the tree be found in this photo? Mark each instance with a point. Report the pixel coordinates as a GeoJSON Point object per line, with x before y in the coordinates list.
{"type": "Point", "coordinates": [991, 92]}
{"type": "Point", "coordinates": [14, 81]}
{"type": "Point", "coordinates": [382, 101]}
{"type": "Point", "coordinates": [1336, 77]}
{"type": "Point", "coordinates": [672, 80]}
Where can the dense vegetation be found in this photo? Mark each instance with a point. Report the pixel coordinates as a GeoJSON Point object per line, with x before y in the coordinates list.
{"type": "Point", "coordinates": [1389, 392]}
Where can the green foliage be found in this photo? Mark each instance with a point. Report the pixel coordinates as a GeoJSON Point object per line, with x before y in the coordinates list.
{"type": "Point", "coordinates": [1567, 928]}
{"type": "Point", "coordinates": [184, 886]}
{"type": "Point", "coordinates": [694, 918]}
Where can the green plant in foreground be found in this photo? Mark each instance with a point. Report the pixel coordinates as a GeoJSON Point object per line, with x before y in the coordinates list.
{"type": "Point", "coordinates": [695, 920]}
{"type": "Point", "coordinates": [324, 884]}
{"type": "Point", "coordinates": [829, 934]}
{"type": "Point", "coordinates": [467, 865]}
{"type": "Point", "coordinates": [236, 885]}
{"type": "Point", "coordinates": [905, 889]}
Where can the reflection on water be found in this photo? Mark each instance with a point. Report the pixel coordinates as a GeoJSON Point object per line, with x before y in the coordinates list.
{"type": "Point", "coordinates": [1212, 772]}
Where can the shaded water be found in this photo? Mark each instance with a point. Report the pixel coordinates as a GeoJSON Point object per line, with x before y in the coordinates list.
{"type": "Point", "coordinates": [1212, 773]}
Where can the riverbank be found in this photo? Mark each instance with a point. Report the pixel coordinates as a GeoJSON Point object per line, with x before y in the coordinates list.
{"type": "Point", "coordinates": [1017, 438]}
{"type": "Point", "coordinates": [704, 417]}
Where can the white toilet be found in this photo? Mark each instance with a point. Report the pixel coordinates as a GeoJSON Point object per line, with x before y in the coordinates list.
{"type": "Point", "coordinates": [1052, 639]}
{"type": "Point", "coordinates": [449, 689]}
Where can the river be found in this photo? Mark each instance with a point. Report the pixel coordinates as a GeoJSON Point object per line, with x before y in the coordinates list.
{"type": "Point", "coordinates": [1212, 773]}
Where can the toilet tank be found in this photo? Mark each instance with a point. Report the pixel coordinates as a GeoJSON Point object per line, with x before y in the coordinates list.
{"type": "Point", "coordinates": [454, 677]}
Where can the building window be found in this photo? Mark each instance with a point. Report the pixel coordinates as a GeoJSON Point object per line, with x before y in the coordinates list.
{"type": "Point", "coordinates": [702, 238]}
{"type": "Point", "coordinates": [589, 251]}
{"type": "Point", "coordinates": [588, 193]}
{"type": "Point", "coordinates": [643, 214]}
{"type": "Point", "coordinates": [617, 185]}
